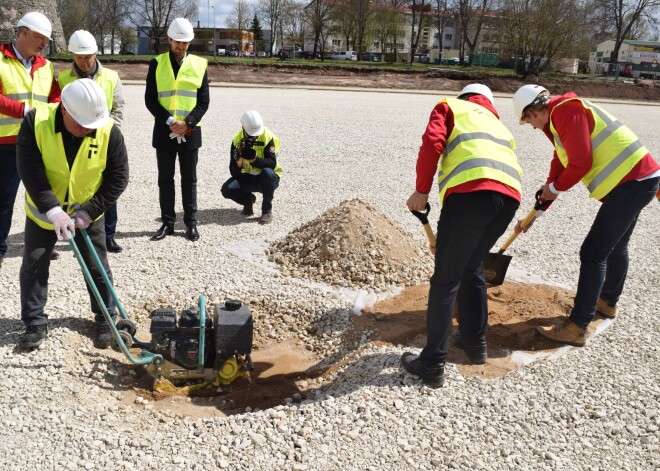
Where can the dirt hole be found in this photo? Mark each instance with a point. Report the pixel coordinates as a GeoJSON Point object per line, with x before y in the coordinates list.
{"type": "Point", "coordinates": [287, 371]}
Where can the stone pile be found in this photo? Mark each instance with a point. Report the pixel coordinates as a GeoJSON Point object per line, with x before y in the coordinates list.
{"type": "Point", "coordinates": [354, 245]}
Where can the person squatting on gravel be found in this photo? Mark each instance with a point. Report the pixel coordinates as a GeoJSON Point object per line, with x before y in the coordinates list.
{"type": "Point", "coordinates": [73, 163]}
{"type": "Point", "coordinates": [177, 95]}
{"type": "Point", "coordinates": [480, 185]}
{"type": "Point", "coordinates": [253, 166]}
{"type": "Point", "coordinates": [592, 146]}
{"type": "Point", "coordinates": [26, 82]}
{"type": "Point", "coordinates": [85, 65]}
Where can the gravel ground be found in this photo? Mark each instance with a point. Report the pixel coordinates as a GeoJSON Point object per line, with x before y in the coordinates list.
{"type": "Point", "coordinates": [593, 408]}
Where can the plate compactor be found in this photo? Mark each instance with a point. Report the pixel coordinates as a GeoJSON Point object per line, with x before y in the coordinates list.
{"type": "Point", "coordinates": [189, 350]}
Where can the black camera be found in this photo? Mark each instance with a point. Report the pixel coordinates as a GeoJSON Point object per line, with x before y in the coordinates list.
{"type": "Point", "coordinates": [245, 149]}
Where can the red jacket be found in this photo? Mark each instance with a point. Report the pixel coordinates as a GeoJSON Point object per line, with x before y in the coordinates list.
{"type": "Point", "coordinates": [440, 127]}
{"type": "Point", "coordinates": [574, 124]}
{"type": "Point", "coordinates": [15, 108]}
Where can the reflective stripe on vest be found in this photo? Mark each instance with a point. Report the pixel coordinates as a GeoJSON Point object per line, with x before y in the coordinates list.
{"type": "Point", "coordinates": [179, 95]}
{"type": "Point", "coordinates": [473, 154]}
{"type": "Point", "coordinates": [614, 147]}
{"type": "Point", "coordinates": [264, 139]}
{"type": "Point", "coordinates": [17, 84]}
{"type": "Point", "coordinates": [76, 185]}
{"type": "Point", "coordinates": [107, 80]}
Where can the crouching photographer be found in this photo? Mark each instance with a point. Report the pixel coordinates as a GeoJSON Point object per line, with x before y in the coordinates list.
{"type": "Point", "coordinates": [253, 167]}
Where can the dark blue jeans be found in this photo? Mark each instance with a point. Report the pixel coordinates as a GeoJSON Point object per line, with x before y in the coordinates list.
{"type": "Point", "coordinates": [241, 190]}
{"type": "Point", "coordinates": [9, 181]}
{"type": "Point", "coordinates": [111, 222]}
{"type": "Point", "coordinates": [604, 253]}
{"type": "Point", "coordinates": [469, 226]}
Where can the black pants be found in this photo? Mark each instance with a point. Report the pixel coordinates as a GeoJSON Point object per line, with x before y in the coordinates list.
{"type": "Point", "coordinates": [39, 244]}
{"type": "Point", "coordinates": [469, 226]}
{"type": "Point", "coordinates": [166, 157]}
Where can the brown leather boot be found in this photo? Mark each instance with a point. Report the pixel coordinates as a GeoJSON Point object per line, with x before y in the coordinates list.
{"type": "Point", "coordinates": [605, 309]}
{"type": "Point", "coordinates": [566, 332]}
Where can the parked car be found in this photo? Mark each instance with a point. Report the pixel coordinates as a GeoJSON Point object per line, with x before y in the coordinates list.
{"type": "Point", "coordinates": [344, 56]}
{"type": "Point", "coordinates": [310, 55]}
{"type": "Point", "coordinates": [450, 61]}
{"type": "Point", "coordinates": [262, 54]}
{"type": "Point", "coordinates": [369, 57]}
{"type": "Point", "coordinates": [126, 52]}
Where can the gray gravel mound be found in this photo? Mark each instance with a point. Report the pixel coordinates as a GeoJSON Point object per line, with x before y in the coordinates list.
{"type": "Point", "coordinates": [353, 245]}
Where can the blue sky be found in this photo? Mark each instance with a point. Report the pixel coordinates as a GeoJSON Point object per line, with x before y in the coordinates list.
{"type": "Point", "coordinates": [223, 8]}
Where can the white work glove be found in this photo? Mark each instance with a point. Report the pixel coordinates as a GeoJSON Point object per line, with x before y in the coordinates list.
{"type": "Point", "coordinates": [26, 110]}
{"type": "Point", "coordinates": [62, 222]}
{"type": "Point", "coordinates": [179, 137]}
{"type": "Point", "coordinates": [82, 219]}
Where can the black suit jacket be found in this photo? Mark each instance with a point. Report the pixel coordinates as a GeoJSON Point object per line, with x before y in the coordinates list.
{"type": "Point", "coordinates": [161, 133]}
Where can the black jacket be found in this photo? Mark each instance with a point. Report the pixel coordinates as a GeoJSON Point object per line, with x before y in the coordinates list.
{"type": "Point", "coordinates": [33, 173]}
{"type": "Point", "coordinates": [161, 133]}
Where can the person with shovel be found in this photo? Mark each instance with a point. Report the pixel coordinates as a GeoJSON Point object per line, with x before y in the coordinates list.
{"type": "Point", "coordinates": [593, 147]}
{"type": "Point", "coordinates": [480, 186]}
{"type": "Point", "coordinates": [73, 162]}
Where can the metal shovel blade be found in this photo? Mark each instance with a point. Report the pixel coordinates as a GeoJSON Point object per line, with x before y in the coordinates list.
{"type": "Point", "coordinates": [495, 267]}
{"type": "Point", "coordinates": [496, 264]}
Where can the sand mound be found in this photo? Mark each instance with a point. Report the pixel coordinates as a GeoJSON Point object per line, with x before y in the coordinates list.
{"type": "Point", "coordinates": [354, 245]}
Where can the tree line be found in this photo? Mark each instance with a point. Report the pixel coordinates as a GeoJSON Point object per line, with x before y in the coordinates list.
{"type": "Point", "coordinates": [532, 32]}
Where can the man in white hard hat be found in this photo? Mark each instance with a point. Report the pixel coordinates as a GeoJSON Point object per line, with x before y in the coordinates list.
{"type": "Point", "coordinates": [26, 82]}
{"type": "Point", "coordinates": [253, 166]}
{"type": "Point", "coordinates": [480, 185]}
{"type": "Point", "coordinates": [80, 174]}
{"type": "Point", "coordinates": [177, 95]}
{"type": "Point", "coordinates": [85, 65]}
{"type": "Point", "coordinates": [592, 146]}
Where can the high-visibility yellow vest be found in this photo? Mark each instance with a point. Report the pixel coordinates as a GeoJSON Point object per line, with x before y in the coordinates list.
{"type": "Point", "coordinates": [18, 85]}
{"type": "Point", "coordinates": [479, 147]}
{"type": "Point", "coordinates": [76, 185]}
{"type": "Point", "coordinates": [106, 78]}
{"type": "Point", "coordinates": [259, 147]}
{"type": "Point", "coordinates": [614, 147]}
{"type": "Point", "coordinates": [179, 95]}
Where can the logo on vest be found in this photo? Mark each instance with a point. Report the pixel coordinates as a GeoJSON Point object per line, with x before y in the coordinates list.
{"type": "Point", "coordinates": [93, 149]}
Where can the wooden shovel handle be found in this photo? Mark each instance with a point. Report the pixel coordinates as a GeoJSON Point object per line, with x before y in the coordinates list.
{"type": "Point", "coordinates": [528, 219]}
{"type": "Point", "coordinates": [429, 234]}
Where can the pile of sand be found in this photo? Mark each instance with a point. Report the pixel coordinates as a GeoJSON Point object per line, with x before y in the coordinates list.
{"type": "Point", "coordinates": [354, 245]}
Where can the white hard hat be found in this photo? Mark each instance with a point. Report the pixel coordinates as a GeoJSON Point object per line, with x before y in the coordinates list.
{"type": "Point", "coordinates": [479, 89]}
{"type": "Point", "coordinates": [525, 96]}
{"type": "Point", "coordinates": [85, 101]}
{"type": "Point", "coordinates": [252, 123]}
{"type": "Point", "coordinates": [82, 42]}
{"type": "Point", "coordinates": [36, 22]}
{"type": "Point", "coordinates": [181, 30]}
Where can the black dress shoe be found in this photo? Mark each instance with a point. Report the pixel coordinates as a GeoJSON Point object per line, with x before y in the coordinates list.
{"type": "Point", "coordinates": [477, 353]}
{"type": "Point", "coordinates": [433, 375]}
{"type": "Point", "coordinates": [112, 246]}
{"type": "Point", "coordinates": [164, 231]}
{"type": "Point", "coordinates": [192, 234]}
